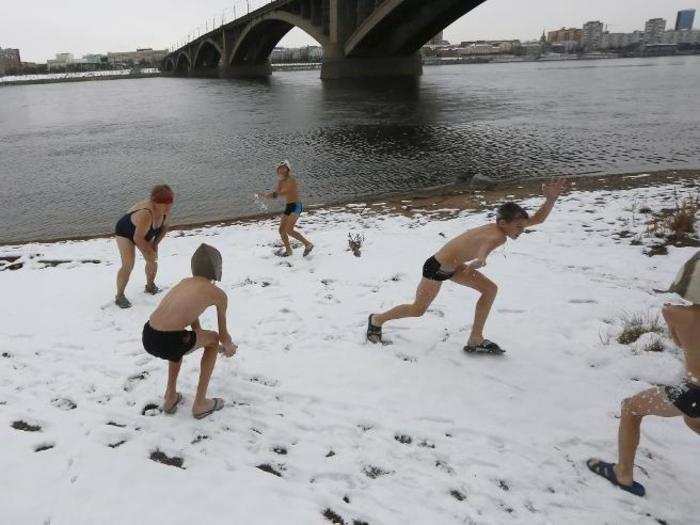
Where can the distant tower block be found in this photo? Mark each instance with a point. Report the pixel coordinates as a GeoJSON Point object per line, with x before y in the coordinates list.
{"type": "Point", "coordinates": [437, 39]}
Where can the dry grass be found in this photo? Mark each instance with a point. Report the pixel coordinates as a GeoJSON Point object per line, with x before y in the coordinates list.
{"type": "Point", "coordinates": [677, 223]}
{"type": "Point", "coordinates": [636, 325]}
{"type": "Point", "coordinates": [657, 345]}
{"type": "Point", "coordinates": [355, 244]}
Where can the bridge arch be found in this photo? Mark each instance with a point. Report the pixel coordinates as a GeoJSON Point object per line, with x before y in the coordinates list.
{"type": "Point", "coordinates": [168, 65]}
{"type": "Point", "coordinates": [255, 43]}
{"type": "Point", "coordinates": [183, 64]}
{"type": "Point", "coordinates": [207, 56]}
{"type": "Point", "coordinates": [402, 27]}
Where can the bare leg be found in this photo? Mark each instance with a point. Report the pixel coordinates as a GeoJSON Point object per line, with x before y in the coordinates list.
{"type": "Point", "coordinates": [291, 223]}
{"type": "Point", "coordinates": [210, 341]}
{"type": "Point", "coordinates": [488, 290]}
{"type": "Point", "coordinates": [151, 271]}
{"type": "Point", "coordinates": [170, 397]}
{"type": "Point", "coordinates": [283, 229]}
{"type": "Point", "coordinates": [652, 402]}
{"type": "Point", "coordinates": [127, 251]}
{"type": "Point", "coordinates": [425, 294]}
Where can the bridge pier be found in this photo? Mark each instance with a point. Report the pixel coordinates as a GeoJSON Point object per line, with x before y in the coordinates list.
{"type": "Point", "coordinates": [342, 67]}
{"type": "Point", "coordinates": [246, 70]}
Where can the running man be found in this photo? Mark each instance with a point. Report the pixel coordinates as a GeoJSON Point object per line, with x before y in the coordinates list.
{"type": "Point", "coordinates": [137, 229]}
{"type": "Point", "coordinates": [165, 335]}
{"type": "Point", "coordinates": [288, 187]}
{"type": "Point", "coordinates": [668, 401]}
{"type": "Point", "coordinates": [459, 261]}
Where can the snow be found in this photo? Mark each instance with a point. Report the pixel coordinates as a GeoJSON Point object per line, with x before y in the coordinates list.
{"type": "Point", "coordinates": [84, 74]}
{"type": "Point", "coordinates": [508, 436]}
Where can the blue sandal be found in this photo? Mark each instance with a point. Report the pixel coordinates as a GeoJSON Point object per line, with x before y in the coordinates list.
{"type": "Point", "coordinates": [606, 471]}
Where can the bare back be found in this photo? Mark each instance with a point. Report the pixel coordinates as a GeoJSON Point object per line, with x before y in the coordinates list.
{"type": "Point", "coordinates": [475, 243]}
{"type": "Point", "coordinates": [183, 305]}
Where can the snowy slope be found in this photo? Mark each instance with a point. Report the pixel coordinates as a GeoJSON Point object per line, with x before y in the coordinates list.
{"type": "Point", "coordinates": [411, 433]}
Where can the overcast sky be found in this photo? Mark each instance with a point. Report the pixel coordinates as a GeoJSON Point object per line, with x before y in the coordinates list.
{"type": "Point", "coordinates": [41, 28]}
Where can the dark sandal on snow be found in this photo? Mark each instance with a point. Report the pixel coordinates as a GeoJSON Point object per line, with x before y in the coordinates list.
{"type": "Point", "coordinates": [486, 347]}
{"type": "Point", "coordinates": [173, 408]}
{"type": "Point", "coordinates": [374, 333]}
{"type": "Point", "coordinates": [607, 471]}
{"type": "Point", "coordinates": [218, 405]}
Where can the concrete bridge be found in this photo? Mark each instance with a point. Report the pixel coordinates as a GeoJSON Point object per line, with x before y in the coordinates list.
{"type": "Point", "coordinates": [360, 38]}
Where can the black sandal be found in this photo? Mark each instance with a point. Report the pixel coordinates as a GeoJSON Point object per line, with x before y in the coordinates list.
{"type": "Point", "coordinates": [374, 333]}
{"type": "Point", "coordinates": [486, 347]}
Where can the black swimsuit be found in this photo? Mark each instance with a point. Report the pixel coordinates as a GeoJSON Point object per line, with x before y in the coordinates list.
{"type": "Point", "coordinates": [126, 228]}
{"type": "Point", "coordinates": [685, 398]}
{"type": "Point", "coordinates": [432, 269]}
{"type": "Point", "coordinates": [168, 345]}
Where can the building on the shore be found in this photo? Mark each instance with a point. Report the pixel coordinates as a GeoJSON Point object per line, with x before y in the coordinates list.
{"type": "Point", "coordinates": [683, 37]}
{"type": "Point", "coordinates": [592, 34]}
{"type": "Point", "coordinates": [685, 20]}
{"type": "Point", "coordinates": [564, 35]}
{"type": "Point", "coordinates": [653, 29]}
{"type": "Point", "coordinates": [488, 47]}
{"type": "Point", "coordinates": [141, 57]}
{"type": "Point", "coordinates": [306, 54]}
{"type": "Point", "coordinates": [438, 40]}
{"type": "Point", "coordinates": [10, 60]}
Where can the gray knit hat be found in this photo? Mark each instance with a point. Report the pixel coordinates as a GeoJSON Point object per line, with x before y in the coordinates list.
{"type": "Point", "coordinates": [206, 262]}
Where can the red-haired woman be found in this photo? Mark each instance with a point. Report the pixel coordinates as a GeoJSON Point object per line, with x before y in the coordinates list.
{"type": "Point", "coordinates": [143, 227]}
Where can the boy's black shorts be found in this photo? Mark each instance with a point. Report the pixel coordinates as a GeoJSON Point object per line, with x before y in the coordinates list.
{"type": "Point", "coordinates": [168, 345]}
{"type": "Point", "coordinates": [433, 271]}
{"type": "Point", "coordinates": [685, 398]}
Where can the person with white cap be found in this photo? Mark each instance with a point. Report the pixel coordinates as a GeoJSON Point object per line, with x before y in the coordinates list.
{"type": "Point", "coordinates": [288, 187]}
{"type": "Point", "coordinates": [682, 400]}
{"type": "Point", "coordinates": [165, 334]}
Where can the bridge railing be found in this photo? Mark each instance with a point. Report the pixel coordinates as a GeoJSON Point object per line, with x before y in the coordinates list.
{"type": "Point", "coordinates": [236, 10]}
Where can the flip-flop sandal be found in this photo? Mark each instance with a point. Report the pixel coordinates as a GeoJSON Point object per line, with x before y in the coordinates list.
{"type": "Point", "coordinates": [374, 333]}
{"type": "Point", "coordinates": [122, 302]}
{"type": "Point", "coordinates": [170, 411]}
{"type": "Point", "coordinates": [218, 405]}
{"type": "Point", "coordinates": [308, 250]}
{"type": "Point", "coordinates": [486, 347]}
{"type": "Point", "coordinates": [282, 253]}
{"type": "Point", "coordinates": [153, 290]}
{"type": "Point", "coordinates": [607, 471]}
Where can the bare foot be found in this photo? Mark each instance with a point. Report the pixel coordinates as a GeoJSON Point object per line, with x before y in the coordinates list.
{"type": "Point", "coordinates": [171, 402]}
{"type": "Point", "coordinates": [622, 478]}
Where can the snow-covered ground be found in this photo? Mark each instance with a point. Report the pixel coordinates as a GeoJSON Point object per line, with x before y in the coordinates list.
{"type": "Point", "coordinates": [415, 432]}
{"type": "Point", "coordinates": [85, 74]}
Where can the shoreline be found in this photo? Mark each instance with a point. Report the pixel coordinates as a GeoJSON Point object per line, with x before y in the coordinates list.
{"type": "Point", "coordinates": [454, 197]}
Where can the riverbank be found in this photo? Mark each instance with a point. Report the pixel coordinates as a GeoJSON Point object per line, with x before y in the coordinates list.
{"type": "Point", "coordinates": [317, 422]}
{"type": "Point", "coordinates": [455, 198]}
{"type": "Point", "coordinates": [77, 77]}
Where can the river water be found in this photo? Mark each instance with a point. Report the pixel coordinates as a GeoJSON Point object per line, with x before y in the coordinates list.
{"type": "Point", "coordinates": [74, 157]}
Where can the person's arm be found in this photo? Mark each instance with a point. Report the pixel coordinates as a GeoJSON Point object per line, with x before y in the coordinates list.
{"type": "Point", "coordinates": [163, 231]}
{"type": "Point", "coordinates": [195, 325]}
{"type": "Point", "coordinates": [279, 191]}
{"type": "Point", "coordinates": [141, 220]}
{"type": "Point", "coordinates": [224, 337]}
{"type": "Point", "coordinates": [480, 260]}
{"type": "Point", "coordinates": [551, 191]}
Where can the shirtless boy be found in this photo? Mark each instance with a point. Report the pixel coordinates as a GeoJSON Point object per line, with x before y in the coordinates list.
{"type": "Point", "coordinates": [288, 187]}
{"type": "Point", "coordinates": [165, 334]}
{"type": "Point", "coordinates": [459, 261]}
{"type": "Point", "coordinates": [669, 401]}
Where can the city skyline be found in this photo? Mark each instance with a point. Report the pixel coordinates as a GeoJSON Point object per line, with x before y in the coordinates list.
{"type": "Point", "coordinates": [81, 28]}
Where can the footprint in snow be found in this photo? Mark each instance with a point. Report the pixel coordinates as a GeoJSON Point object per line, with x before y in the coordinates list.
{"type": "Point", "coordinates": [63, 403]}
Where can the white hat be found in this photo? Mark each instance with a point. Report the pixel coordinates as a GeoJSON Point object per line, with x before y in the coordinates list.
{"type": "Point", "coordinates": [286, 163]}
